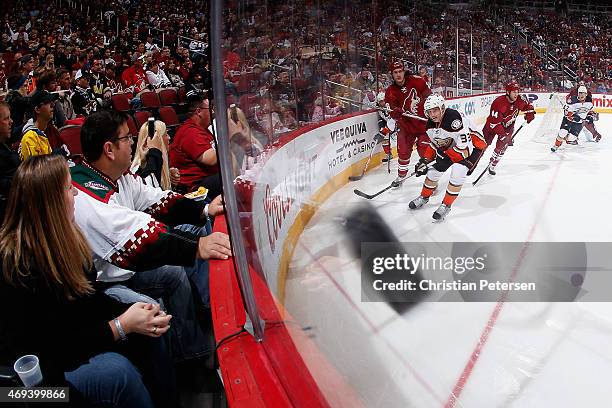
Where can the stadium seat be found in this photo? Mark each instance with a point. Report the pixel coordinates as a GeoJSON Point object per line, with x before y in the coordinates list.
{"type": "Point", "coordinates": [168, 97]}
{"type": "Point", "coordinates": [70, 135]}
{"type": "Point", "coordinates": [168, 115]}
{"type": "Point", "coordinates": [132, 126]}
{"type": "Point", "coordinates": [150, 100]}
{"type": "Point", "coordinates": [121, 102]}
{"type": "Point", "coordinates": [182, 94]}
{"type": "Point", "coordinates": [141, 117]}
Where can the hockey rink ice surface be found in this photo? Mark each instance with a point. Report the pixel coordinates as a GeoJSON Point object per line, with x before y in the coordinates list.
{"type": "Point", "coordinates": [467, 354]}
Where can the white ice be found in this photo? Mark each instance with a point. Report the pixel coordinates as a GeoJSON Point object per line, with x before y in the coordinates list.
{"type": "Point", "coordinates": [535, 355]}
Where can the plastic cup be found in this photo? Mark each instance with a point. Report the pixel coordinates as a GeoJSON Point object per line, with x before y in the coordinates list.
{"type": "Point", "coordinates": [28, 369]}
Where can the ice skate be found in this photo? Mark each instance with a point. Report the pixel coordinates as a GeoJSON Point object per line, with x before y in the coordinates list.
{"type": "Point", "coordinates": [418, 202]}
{"type": "Point", "coordinates": [554, 148]}
{"type": "Point", "coordinates": [572, 142]}
{"type": "Point", "coordinates": [441, 212]}
{"type": "Point", "coordinates": [398, 181]}
{"type": "Point", "coordinates": [492, 170]}
{"type": "Point", "coordinates": [387, 158]}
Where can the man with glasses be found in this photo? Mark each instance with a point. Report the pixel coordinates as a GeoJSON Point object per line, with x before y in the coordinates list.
{"type": "Point", "coordinates": [131, 228]}
{"type": "Point", "coordinates": [193, 149]}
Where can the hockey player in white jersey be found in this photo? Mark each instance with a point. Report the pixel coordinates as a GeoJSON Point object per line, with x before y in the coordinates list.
{"type": "Point", "coordinates": [386, 125]}
{"type": "Point", "coordinates": [455, 145]}
{"type": "Point", "coordinates": [578, 110]}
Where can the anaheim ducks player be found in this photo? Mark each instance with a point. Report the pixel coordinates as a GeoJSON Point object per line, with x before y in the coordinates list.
{"type": "Point", "coordinates": [386, 125]}
{"type": "Point", "coordinates": [578, 110]}
{"type": "Point", "coordinates": [454, 145]}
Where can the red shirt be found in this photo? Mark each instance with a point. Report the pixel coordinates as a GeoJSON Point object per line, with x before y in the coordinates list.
{"type": "Point", "coordinates": [135, 76]}
{"type": "Point", "coordinates": [503, 114]}
{"type": "Point", "coordinates": [408, 98]}
{"type": "Point", "coordinates": [190, 142]}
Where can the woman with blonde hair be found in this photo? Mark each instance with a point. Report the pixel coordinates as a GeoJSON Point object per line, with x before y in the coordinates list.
{"type": "Point", "coordinates": [151, 157]}
{"type": "Point", "coordinates": [53, 311]}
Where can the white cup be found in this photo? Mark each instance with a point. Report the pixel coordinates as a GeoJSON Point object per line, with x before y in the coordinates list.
{"type": "Point", "coordinates": [28, 369]}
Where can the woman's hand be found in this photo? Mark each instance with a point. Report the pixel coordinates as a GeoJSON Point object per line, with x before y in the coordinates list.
{"type": "Point", "coordinates": [146, 319]}
{"type": "Point", "coordinates": [175, 176]}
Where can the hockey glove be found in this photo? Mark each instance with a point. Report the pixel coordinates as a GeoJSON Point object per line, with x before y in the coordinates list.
{"type": "Point", "coordinates": [420, 169]}
{"type": "Point", "coordinates": [529, 116]}
{"type": "Point", "coordinates": [379, 138]}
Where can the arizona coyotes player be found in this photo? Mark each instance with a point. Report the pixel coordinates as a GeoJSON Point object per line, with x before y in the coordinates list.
{"type": "Point", "coordinates": [454, 145]}
{"type": "Point", "coordinates": [577, 111]}
{"type": "Point", "coordinates": [500, 123]}
{"type": "Point", "coordinates": [407, 94]}
{"type": "Point", "coordinates": [588, 123]}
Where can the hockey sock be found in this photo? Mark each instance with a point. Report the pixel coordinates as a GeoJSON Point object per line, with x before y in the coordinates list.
{"type": "Point", "coordinates": [402, 167]}
{"type": "Point", "coordinates": [386, 147]}
{"type": "Point", "coordinates": [558, 142]}
{"type": "Point", "coordinates": [452, 192]}
{"type": "Point", "coordinates": [428, 188]}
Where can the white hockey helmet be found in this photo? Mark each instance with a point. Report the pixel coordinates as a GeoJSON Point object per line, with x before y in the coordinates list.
{"type": "Point", "coordinates": [380, 97]}
{"type": "Point", "coordinates": [582, 89]}
{"type": "Point", "coordinates": [434, 101]}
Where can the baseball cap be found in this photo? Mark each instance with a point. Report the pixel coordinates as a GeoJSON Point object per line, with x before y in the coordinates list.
{"type": "Point", "coordinates": [41, 97]}
{"type": "Point", "coordinates": [26, 58]}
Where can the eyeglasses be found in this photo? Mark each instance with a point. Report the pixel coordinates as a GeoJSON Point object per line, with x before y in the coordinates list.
{"type": "Point", "coordinates": [129, 137]}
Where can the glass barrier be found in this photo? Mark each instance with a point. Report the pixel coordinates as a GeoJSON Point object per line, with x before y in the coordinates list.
{"type": "Point", "coordinates": [291, 70]}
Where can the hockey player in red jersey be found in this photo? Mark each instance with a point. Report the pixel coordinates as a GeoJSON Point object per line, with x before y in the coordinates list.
{"type": "Point", "coordinates": [500, 123]}
{"type": "Point", "coordinates": [454, 145]}
{"type": "Point", "coordinates": [407, 95]}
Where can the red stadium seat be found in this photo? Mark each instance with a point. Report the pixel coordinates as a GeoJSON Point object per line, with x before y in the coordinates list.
{"type": "Point", "coordinates": [132, 126]}
{"type": "Point", "coordinates": [71, 136]}
{"type": "Point", "coordinates": [141, 117]}
{"type": "Point", "coordinates": [168, 97]}
{"type": "Point", "coordinates": [182, 94]}
{"type": "Point", "coordinates": [150, 100]}
{"type": "Point", "coordinates": [121, 102]}
{"type": "Point", "coordinates": [168, 115]}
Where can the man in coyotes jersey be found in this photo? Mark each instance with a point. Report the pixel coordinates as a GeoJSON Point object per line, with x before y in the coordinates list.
{"type": "Point", "coordinates": [579, 109]}
{"type": "Point", "coordinates": [407, 94]}
{"type": "Point", "coordinates": [500, 123]}
{"type": "Point", "coordinates": [455, 145]}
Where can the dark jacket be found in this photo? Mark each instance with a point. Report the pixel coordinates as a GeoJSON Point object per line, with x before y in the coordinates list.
{"type": "Point", "coordinates": [63, 334]}
{"type": "Point", "coordinates": [9, 161]}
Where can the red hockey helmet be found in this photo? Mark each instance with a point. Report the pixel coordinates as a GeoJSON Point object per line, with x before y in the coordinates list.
{"type": "Point", "coordinates": [396, 65]}
{"type": "Point", "coordinates": [512, 86]}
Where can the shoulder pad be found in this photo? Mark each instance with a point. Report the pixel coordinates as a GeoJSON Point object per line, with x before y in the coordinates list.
{"type": "Point", "coordinates": [452, 120]}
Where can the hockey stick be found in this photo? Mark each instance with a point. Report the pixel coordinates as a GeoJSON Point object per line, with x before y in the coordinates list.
{"type": "Point", "coordinates": [488, 165]}
{"type": "Point", "coordinates": [405, 114]}
{"type": "Point", "coordinates": [356, 178]}
{"type": "Point", "coordinates": [371, 196]}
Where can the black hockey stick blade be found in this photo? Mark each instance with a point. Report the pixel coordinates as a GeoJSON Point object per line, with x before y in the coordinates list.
{"type": "Point", "coordinates": [481, 174]}
{"type": "Point", "coordinates": [355, 178]}
{"type": "Point", "coordinates": [371, 196]}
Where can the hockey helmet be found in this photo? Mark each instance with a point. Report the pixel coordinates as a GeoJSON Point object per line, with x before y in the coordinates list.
{"type": "Point", "coordinates": [434, 101]}
{"type": "Point", "coordinates": [512, 86]}
{"type": "Point", "coordinates": [396, 65]}
{"type": "Point", "coordinates": [380, 97]}
{"type": "Point", "coordinates": [582, 89]}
